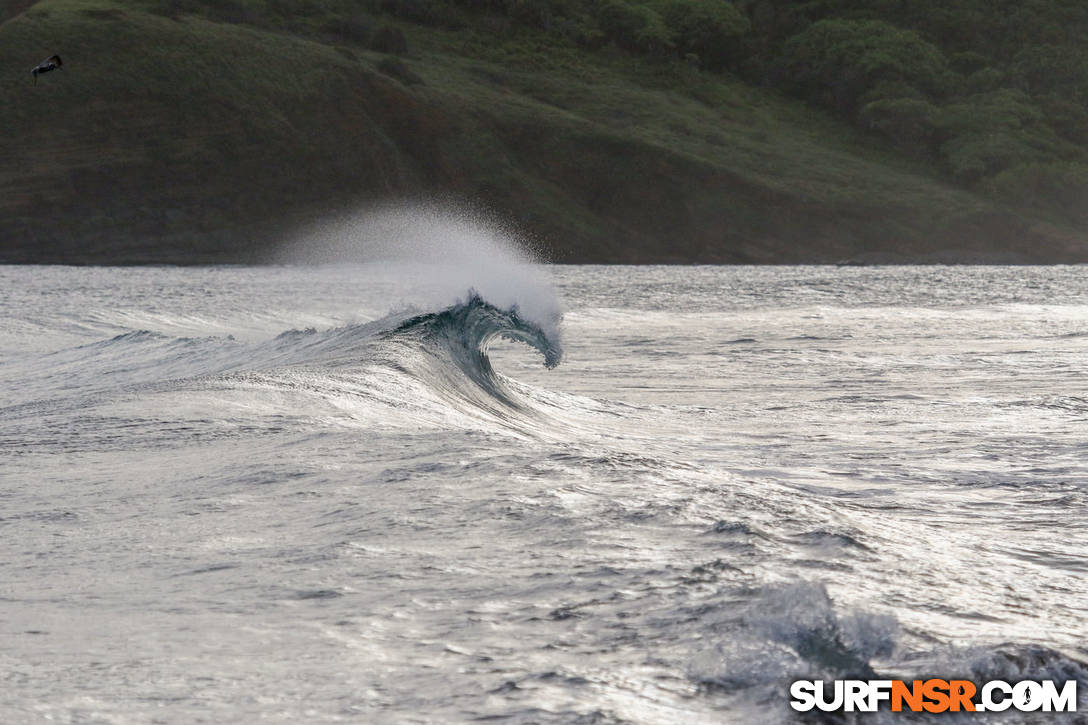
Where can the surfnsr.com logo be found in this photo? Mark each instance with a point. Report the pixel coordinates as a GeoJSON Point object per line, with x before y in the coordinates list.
{"type": "Point", "coordinates": [933, 696]}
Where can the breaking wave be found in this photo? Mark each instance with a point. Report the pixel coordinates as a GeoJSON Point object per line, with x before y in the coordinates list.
{"type": "Point", "coordinates": [430, 360]}
{"type": "Point", "coordinates": [469, 328]}
{"type": "Point", "coordinates": [447, 351]}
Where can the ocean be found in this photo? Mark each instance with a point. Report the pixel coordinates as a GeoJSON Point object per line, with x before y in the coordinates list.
{"type": "Point", "coordinates": [388, 492]}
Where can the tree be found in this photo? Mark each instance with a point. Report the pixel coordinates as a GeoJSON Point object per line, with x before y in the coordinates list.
{"type": "Point", "coordinates": [836, 62]}
{"type": "Point", "coordinates": [990, 132]}
{"type": "Point", "coordinates": [710, 29]}
{"type": "Point", "coordinates": [632, 27]}
{"type": "Point", "coordinates": [1042, 69]}
{"type": "Point", "coordinates": [909, 123]}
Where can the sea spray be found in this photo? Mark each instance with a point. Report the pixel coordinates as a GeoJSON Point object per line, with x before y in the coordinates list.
{"type": "Point", "coordinates": [442, 255]}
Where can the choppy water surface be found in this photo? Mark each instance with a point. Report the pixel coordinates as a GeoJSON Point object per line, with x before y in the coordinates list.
{"type": "Point", "coordinates": [312, 494]}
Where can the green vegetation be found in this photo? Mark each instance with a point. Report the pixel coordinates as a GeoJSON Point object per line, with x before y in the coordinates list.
{"type": "Point", "coordinates": [609, 130]}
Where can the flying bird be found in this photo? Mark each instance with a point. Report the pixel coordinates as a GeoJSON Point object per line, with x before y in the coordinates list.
{"type": "Point", "coordinates": [49, 64]}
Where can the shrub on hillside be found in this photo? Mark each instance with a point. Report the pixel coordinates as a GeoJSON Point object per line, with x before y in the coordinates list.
{"type": "Point", "coordinates": [568, 18]}
{"type": "Point", "coordinates": [836, 62]}
{"type": "Point", "coordinates": [890, 90]}
{"type": "Point", "coordinates": [353, 29]}
{"type": "Point", "coordinates": [582, 30]}
{"type": "Point", "coordinates": [434, 13]}
{"type": "Point", "coordinates": [1040, 69]}
{"type": "Point", "coordinates": [417, 11]}
{"type": "Point", "coordinates": [1066, 116]}
{"type": "Point", "coordinates": [983, 81]}
{"type": "Point", "coordinates": [543, 14]}
{"type": "Point", "coordinates": [389, 39]}
{"type": "Point", "coordinates": [502, 6]}
{"type": "Point", "coordinates": [396, 68]}
{"type": "Point", "coordinates": [991, 132]}
{"type": "Point", "coordinates": [174, 8]}
{"type": "Point", "coordinates": [636, 28]}
{"type": "Point", "coordinates": [909, 123]}
{"type": "Point", "coordinates": [968, 62]}
{"type": "Point", "coordinates": [231, 11]}
{"type": "Point", "coordinates": [709, 29]}
{"type": "Point", "coordinates": [293, 9]}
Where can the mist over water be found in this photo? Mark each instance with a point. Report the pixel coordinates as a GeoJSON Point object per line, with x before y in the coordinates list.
{"type": "Point", "coordinates": [330, 492]}
{"type": "Point", "coordinates": [440, 252]}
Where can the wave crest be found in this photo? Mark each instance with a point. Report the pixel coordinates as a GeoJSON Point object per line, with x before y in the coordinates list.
{"type": "Point", "coordinates": [468, 328]}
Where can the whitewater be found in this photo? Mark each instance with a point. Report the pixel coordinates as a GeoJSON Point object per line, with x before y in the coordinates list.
{"type": "Point", "coordinates": [436, 489]}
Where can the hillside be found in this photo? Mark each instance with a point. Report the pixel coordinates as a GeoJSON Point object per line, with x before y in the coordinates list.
{"type": "Point", "coordinates": [182, 131]}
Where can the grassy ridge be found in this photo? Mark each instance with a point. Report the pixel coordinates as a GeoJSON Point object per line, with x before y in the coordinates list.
{"type": "Point", "coordinates": [178, 134]}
